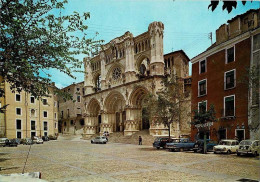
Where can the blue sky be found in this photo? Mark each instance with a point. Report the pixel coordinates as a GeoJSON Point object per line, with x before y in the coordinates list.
{"type": "Point", "coordinates": [187, 23]}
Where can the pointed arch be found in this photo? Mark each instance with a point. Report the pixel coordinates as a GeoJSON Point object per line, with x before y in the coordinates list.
{"type": "Point", "coordinates": [137, 96]}
{"type": "Point", "coordinates": [93, 107]}
{"type": "Point", "coordinates": [115, 101]}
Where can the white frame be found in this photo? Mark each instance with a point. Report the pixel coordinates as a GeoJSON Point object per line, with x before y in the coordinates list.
{"type": "Point", "coordinates": [18, 130]}
{"type": "Point", "coordinates": [234, 104]}
{"type": "Point", "coordinates": [240, 129]}
{"type": "Point", "coordinates": [16, 111]}
{"type": "Point", "coordinates": [31, 100]}
{"type": "Point", "coordinates": [205, 65]}
{"type": "Point", "coordinates": [31, 112]}
{"type": "Point", "coordinates": [43, 114]}
{"type": "Point", "coordinates": [199, 87]}
{"type": "Point", "coordinates": [20, 97]}
{"type": "Point", "coordinates": [226, 57]}
{"type": "Point", "coordinates": [47, 126]}
{"type": "Point", "coordinates": [202, 102]}
{"type": "Point", "coordinates": [226, 80]}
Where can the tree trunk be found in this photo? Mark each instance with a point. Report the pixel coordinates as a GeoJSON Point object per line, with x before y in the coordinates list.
{"type": "Point", "coordinates": [205, 143]}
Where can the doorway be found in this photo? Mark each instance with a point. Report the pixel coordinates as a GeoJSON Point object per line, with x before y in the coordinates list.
{"type": "Point", "coordinates": [123, 120]}
{"type": "Point", "coordinates": [240, 134]}
{"type": "Point", "coordinates": [145, 119]}
{"type": "Point", "coordinates": [117, 121]}
{"type": "Point", "coordinates": [222, 134]}
{"type": "Point", "coordinates": [99, 122]}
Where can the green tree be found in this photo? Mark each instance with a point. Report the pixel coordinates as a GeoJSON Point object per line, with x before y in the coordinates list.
{"type": "Point", "coordinates": [166, 107]}
{"type": "Point", "coordinates": [228, 5]}
{"type": "Point", "coordinates": [34, 38]}
{"type": "Point", "coordinates": [202, 120]}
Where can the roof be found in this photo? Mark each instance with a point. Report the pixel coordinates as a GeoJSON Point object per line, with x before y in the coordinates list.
{"type": "Point", "coordinates": [244, 14]}
{"type": "Point", "coordinates": [179, 51]}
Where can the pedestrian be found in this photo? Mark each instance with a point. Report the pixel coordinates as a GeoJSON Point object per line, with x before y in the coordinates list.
{"type": "Point", "coordinates": [140, 140]}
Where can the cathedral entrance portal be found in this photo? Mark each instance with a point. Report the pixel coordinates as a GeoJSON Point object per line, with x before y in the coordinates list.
{"type": "Point", "coordinates": [145, 120]}
{"type": "Point", "coordinates": [117, 121]}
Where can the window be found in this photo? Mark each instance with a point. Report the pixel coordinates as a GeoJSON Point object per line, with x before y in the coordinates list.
{"type": "Point", "coordinates": [78, 98]}
{"type": "Point", "coordinates": [229, 106]}
{"type": "Point", "coordinates": [45, 125]}
{"type": "Point", "coordinates": [18, 97]}
{"type": "Point", "coordinates": [44, 101]}
{"type": "Point", "coordinates": [33, 113]}
{"type": "Point", "coordinates": [78, 89]}
{"type": "Point", "coordinates": [230, 79]}
{"type": "Point", "coordinates": [71, 122]}
{"type": "Point", "coordinates": [61, 114]}
{"type": "Point", "coordinates": [98, 82]}
{"type": "Point", "coordinates": [45, 114]}
{"type": "Point", "coordinates": [55, 125]}
{"type": "Point", "coordinates": [230, 55]}
{"type": "Point", "coordinates": [19, 134]}
{"type": "Point", "coordinates": [32, 100]}
{"type": "Point", "coordinates": [82, 122]}
{"type": "Point", "coordinates": [202, 87]}
{"type": "Point", "coordinates": [33, 125]}
{"type": "Point", "coordinates": [45, 133]}
{"type": "Point", "coordinates": [202, 106]}
{"type": "Point", "coordinates": [55, 115]}
{"type": "Point", "coordinates": [83, 90]}
{"type": "Point", "coordinates": [68, 113]}
{"type": "Point", "coordinates": [203, 66]}
{"type": "Point", "coordinates": [18, 111]}
{"type": "Point", "coordinates": [65, 124]}
{"type": "Point", "coordinates": [18, 124]}
{"type": "Point", "coordinates": [116, 73]}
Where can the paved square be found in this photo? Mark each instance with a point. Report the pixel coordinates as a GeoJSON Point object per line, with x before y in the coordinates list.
{"type": "Point", "coordinates": [78, 160]}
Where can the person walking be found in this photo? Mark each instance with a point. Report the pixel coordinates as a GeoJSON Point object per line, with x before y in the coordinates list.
{"type": "Point", "coordinates": [140, 140]}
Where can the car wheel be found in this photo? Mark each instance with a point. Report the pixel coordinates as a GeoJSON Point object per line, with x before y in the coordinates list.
{"type": "Point", "coordinates": [158, 148]}
{"type": "Point", "coordinates": [228, 152]}
{"type": "Point", "coordinates": [91, 141]}
{"type": "Point", "coordinates": [255, 154]}
{"type": "Point", "coordinates": [215, 152]}
{"type": "Point", "coordinates": [238, 154]}
{"type": "Point", "coordinates": [195, 151]}
{"type": "Point", "coordinates": [181, 149]}
{"type": "Point", "coordinates": [172, 150]}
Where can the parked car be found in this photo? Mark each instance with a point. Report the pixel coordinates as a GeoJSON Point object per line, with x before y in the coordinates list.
{"type": "Point", "coordinates": [99, 139]}
{"type": "Point", "coordinates": [226, 146]}
{"type": "Point", "coordinates": [10, 143]}
{"type": "Point", "coordinates": [45, 138]}
{"type": "Point", "coordinates": [18, 140]}
{"type": "Point", "coordinates": [199, 145]}
{"type": "Point", "coordinates": [161, 142]}
{"type": "Point", "coordinates": [180, 145]}
{"type": "Point", "coordinates": [3, 141]}
{"type": "Point", "coordinates": [51, 137]}
{"type": "Point", "coordinates": [28, 141]}
{"type": "Point", "coordinates": [37, 140]}
{"type": "Point", "coordinates": [249, 147]}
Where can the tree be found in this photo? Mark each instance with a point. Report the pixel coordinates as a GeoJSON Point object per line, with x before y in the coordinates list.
{"type": "Point", "coordinates": [166, 107]}
{"type": "Point", "coordinates": [202, 119]}
{"type": "Point", "coordinates": [228, 5]}
{"type": "Point", "coordinates": [35, 39]}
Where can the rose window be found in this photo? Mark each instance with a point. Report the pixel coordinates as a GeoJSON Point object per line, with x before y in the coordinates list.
{"type": "Point", "coordinates": [116, 73]}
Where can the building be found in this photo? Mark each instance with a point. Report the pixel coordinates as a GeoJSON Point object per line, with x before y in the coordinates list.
{"type": "Point", "coordinates": [70, 111]}
{"type": "Point", "coordinates": [118, 78]}
{"type": "Point", "coordinates": [220, 77]}
{"type": "Point", "coordinates": [26, 116]}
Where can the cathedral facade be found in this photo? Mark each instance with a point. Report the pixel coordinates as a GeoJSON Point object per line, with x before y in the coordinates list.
{"type": "Point", "coordinates": [118, 78]}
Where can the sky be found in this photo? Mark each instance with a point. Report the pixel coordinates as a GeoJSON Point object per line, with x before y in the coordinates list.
{"type": "Point", "coordinates": [187, 23]}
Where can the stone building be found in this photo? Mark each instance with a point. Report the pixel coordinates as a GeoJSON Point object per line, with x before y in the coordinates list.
{"type": "Point", "coordinates": [220, 77]}
{"type": "Point", "coordinates": [26, 116]}
{"type": "Point", "coordinates": [70, 111]}
{"type": "Point", "coordinates": [121, 74]}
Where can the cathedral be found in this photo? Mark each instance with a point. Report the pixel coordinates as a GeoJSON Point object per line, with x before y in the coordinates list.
{"type": "Point", "coordinates": [118, 78]}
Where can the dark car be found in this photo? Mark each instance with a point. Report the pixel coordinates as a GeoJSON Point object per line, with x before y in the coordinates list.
{"type": "Point", "coordinates": [161, 142]}
{"type": "Point", "coordinates": [18, 140]}
{"type": "Point", "coordinates": [11, 143]}
{"type": "Point", "coordinates": [45, 138]}
{"type": "Point", "coordinates": [199, 145]}
{"type": "Point", "coordinates": [28, 141]}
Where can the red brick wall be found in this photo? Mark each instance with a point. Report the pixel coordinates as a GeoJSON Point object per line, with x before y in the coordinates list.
{"type": "Point", "coordinates": [215, 69]}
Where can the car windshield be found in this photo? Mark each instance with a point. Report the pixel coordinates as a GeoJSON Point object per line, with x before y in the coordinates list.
{"type": "Point", "coordinates": [98, 137]}
{"type": "Point", "coordinates": [176, 140]}
{"type": "Point", "coordinates": [103, 137]}
{"type": "Point", "coordinates": [245, 142]}
{"type": "Point", "coordinates": [224, 143]}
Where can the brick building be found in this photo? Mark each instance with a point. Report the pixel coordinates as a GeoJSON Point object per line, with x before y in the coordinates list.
{"type": "Point", "coordinates": [219, 77]}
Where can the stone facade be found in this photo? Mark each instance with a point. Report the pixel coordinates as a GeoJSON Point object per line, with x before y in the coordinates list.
{"type": "Point", "coordinates": [219, 77]}
{"type": "Point", "coordinates": [70, 112]}
{"type": "Point", "coordinates": [26, 116]}
{"type": "Point", "coordinates": [119, 77]}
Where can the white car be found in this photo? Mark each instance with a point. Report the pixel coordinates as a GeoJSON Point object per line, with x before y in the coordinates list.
{"type": "Point", "coordinates": [226, 146]}
{"type": "Point", "coordinates": [99, 139]}
{"type": "Point", "coordinates": [249, 147]}
{"type": "Point", "coordinates": [37, 140]}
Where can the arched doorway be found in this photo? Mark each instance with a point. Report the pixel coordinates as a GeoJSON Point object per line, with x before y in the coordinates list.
{"type": "Point", "coordinates": [136, 100]}
{"type": "Point", "coordinates": [114, 107]}
{"type": "Point", "coordinates": [94, 117]}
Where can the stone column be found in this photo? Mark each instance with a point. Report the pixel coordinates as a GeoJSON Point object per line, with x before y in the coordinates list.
{"type": "Point", "coordinates": [157, 63]}
{"type": "Point", "coordinates": [88, 84]}
{"type": "Point", "coordinates": [103, 70]}
{"type": "Point", "coordinates": [129, 57]}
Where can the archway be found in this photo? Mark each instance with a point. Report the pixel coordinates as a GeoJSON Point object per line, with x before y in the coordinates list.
{"type": "Point", "coordinates": [136, 100]}
{"type": "Point", "coordinates": [114, 107]}
{"type": "Point", "coordinates": [93, 111]}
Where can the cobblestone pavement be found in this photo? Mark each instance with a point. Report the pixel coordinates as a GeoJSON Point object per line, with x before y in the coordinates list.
{"type": "Point", "coordinates": [78, 160]}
